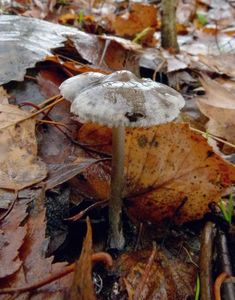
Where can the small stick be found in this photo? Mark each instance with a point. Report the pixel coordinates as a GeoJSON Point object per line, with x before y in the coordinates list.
{"type": "Point", "coordinates": [218, 282]}
{"type": "Point", "coordinates": [81, 213]}
{"type": "Point", "coordinates": [145, 275]}
{"type": "Point", "coordinates": [48, 101]}
{"type": "Point", "coordinates": [205, 260]}
{"type": "Point", "coordinates": [35, 113]}
{"type": "Point", "coordinates": [213, 137]}
{"type": "Point", "coordinates": [51, 122]}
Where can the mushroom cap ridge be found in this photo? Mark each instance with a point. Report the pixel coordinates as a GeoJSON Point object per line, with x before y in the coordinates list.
{"type": "Point", "coordinates": [121, 99]}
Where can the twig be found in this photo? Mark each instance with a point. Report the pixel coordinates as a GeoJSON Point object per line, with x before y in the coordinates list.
{"type": "Point", "coordinates": [48, 100]}
{"type": "Point", "coordinates": [224, 262]}
{"type": "Point", "coordinates": [190, 257]}
{"type": "Point", "coordinates": [34, 114]}
{"type": "Point", "coordinates": [205, 260]}
{"type": "Point", "coordinates": [218, 282]}
{"type": "Point", "coordinates": [145, 275]}
{"type": "Point", "coordinates": [212, 136]}
{"type": "Point", "coordinates": [51, 122]}
{"type": "Point", "coordinates": [81, 213]}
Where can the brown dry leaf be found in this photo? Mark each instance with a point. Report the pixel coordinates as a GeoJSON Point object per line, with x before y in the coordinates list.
{"type": "Point", "coordinates": [82, 287]}
{"type": "Point", "coordinates": [68, 18]}
{"type": "Point", "coordinates": [222, 63]}
{"type": "Point", "coordinates": [171, 172]}
{"type": "Point", "coordinates": [12, 236]}
{"type": "Point", "coordinates": [107, 52]}
{"type": "Point", "coordinates": [20, 166]}
{"type": "Point", "coordinates": [60, 173]}
{"type": "Point", "coordinates": [94, 182]}
{"type": "Point", "coordinates": [136, 20]}
{"type": "Point", "coordinates": [219, 106]}
{"type": "Point", "coordinates": [49, 81]}
{"type": "Point", "coordinates": [34, 264]}
{"type": "Point", "coordinates": [96, 136]}
{"type": "Point", "coordinates": [167, 279]}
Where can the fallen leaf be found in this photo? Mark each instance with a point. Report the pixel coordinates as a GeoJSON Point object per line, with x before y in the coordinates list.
{"type": "Point", "coordinates": [107, 52]}
{"type": "Point", "coordinates": [94, 182]}
{"type": "Point", "coordinates": [6, 198]}
{"type": "Point", "coordinates": [3, 96]}
{"type": "Point", "coordinates": [68, 18]}
{"type": "Point", "coordinates": [25, 41]}
{"type": "Point", "coordinates": [96, 136]}
{"type": "Point", "coordinates": [60, 173]}
{"type": "Point", "coordinates": [34, 264]}
{"type": "Point", "coordinates": [222, 63]}
{"type": "Point", "coordinates": [49, 82]}
{"type": "Point", "coordinates": [171, 172]}
{"type": "Point", "coordinates": [82, 287]}
{"type": "Point", "coordinates": [136, 20]}
{"type": "Point", "coordinates": [20, 166]}
{"type": "Point", "coordinates": [12, 235]}
{"type": "Point", "coordinates": [218, 105]}
{"type": "Point", "coordinates": [56, 144]}
{"type": "Point", "coordinates": [167, 279]}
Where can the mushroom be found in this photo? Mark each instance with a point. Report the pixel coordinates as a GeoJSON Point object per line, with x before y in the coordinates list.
{"type": "Point", "coordinates": [120, 100]}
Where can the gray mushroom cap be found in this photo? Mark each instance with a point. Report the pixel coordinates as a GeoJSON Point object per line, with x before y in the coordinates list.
{"type": "Point", "coordinates": [121, 99]}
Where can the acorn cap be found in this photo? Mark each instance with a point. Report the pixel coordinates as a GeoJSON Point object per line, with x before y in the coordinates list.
{"type": "Point", "coordinates": [121, 99]}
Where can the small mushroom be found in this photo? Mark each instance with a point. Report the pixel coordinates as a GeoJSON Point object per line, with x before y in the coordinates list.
{"type": "Point", "coordinates": [120, 100]}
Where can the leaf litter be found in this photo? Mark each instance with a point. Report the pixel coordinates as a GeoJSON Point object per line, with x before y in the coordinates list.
{"type": "Point", "coordinates": [171, 173]}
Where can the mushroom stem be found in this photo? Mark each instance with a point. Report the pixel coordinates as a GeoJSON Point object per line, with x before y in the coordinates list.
{"type": "Point", "coordinates": [116, 238]}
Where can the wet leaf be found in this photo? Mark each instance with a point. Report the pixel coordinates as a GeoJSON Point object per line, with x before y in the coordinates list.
{"type": "Point", "coordinates": [25, 42]}
{"type": "Point", "coordinates": [20, 166]}
{"type": "Point", "coordinates": [172, 172]}
{"type": "Point", "coordinates": [167, 278]}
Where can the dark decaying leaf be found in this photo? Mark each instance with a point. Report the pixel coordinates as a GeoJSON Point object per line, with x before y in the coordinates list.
{"type": "Point", "coordinates": [12, 235]}
{"type": "Point", "coordinates": [167, 278]}
{"type": "Point", "coordinates": [60, 173]}
{"type": "Point", "coordinates": [34, 266]}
